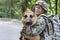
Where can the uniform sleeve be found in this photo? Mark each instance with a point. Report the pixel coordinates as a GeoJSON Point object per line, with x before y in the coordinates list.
{"type": "Point", "coordinates": [40, 26]}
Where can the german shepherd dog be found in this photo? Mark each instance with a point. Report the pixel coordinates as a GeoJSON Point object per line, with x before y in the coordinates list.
{"type": "Point", "coordinates": [28, 21]}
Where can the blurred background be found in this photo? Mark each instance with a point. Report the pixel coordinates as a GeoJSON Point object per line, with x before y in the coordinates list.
{"type": "Point", "coordinates": [12, 8]}
{"type": "Point", "coordinates": [10, 12]}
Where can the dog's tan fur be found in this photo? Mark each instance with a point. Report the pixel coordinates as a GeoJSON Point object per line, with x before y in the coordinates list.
{"type": "Point", "coordinates": [28, 13]}
{"type": "Point", "coordinates": [31, 37]}
{"type": "Point", "coordinates": [34, 18]}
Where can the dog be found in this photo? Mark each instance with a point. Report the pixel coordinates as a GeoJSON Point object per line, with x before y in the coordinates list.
{"type": "Point", "coordinates": [28, 20]}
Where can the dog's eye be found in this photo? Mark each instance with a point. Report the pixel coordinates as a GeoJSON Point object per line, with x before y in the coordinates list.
{"type": "Point", "coordinates": [25, 16]}
{"type": "Point", "coordinates": [31, 16]}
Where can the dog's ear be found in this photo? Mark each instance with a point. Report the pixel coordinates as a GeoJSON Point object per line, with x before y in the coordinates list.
{"type": "Point", "coordinates": [23, 8]}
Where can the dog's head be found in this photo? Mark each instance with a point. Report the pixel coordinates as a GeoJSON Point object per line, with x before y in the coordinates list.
{"type": "Point", "coordinates": [29, 19]}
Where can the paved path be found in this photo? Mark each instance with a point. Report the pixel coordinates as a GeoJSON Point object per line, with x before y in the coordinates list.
{"type": "Point", "coordinates": [10, 29]}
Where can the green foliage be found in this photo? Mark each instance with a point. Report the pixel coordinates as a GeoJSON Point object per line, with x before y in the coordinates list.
{"type": "Point", "coordinates": [4, 12]}
{"type": "Point", "coordinates": [30, 2]}
{"type": "Point", "coordinates": [15, 5]}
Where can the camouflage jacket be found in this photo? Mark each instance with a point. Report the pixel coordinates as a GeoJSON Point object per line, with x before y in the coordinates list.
{"type": "Point", "coordinates": [43, 24]}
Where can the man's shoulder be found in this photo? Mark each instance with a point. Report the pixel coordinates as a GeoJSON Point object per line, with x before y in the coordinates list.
{"type": "Point", "coordinates": [45, 15]}
{"type": "Point", "coordinates": [40, 16]}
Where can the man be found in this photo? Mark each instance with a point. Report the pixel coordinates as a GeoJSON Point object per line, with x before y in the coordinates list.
{"type": "Point", "coordinates": [40, 8]}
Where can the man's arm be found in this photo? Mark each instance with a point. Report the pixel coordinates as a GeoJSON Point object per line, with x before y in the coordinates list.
{"type": "Point", "coordinates": [39, 26]}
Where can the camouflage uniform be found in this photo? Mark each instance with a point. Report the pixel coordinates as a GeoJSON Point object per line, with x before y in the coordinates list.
{"type": "Point", "coordinates": [42, 23]}
{"type": "Point", "coordinates": [41, 28]}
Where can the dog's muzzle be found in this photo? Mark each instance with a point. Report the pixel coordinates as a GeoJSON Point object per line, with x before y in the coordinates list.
{"type": "Point", "coordinates": [28, 21]}
{"type": "Point", "coordinates": [28, 24]}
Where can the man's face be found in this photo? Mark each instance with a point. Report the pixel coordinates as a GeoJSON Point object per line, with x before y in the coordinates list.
{"type": "Point", "coordinates": [38, 10]}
